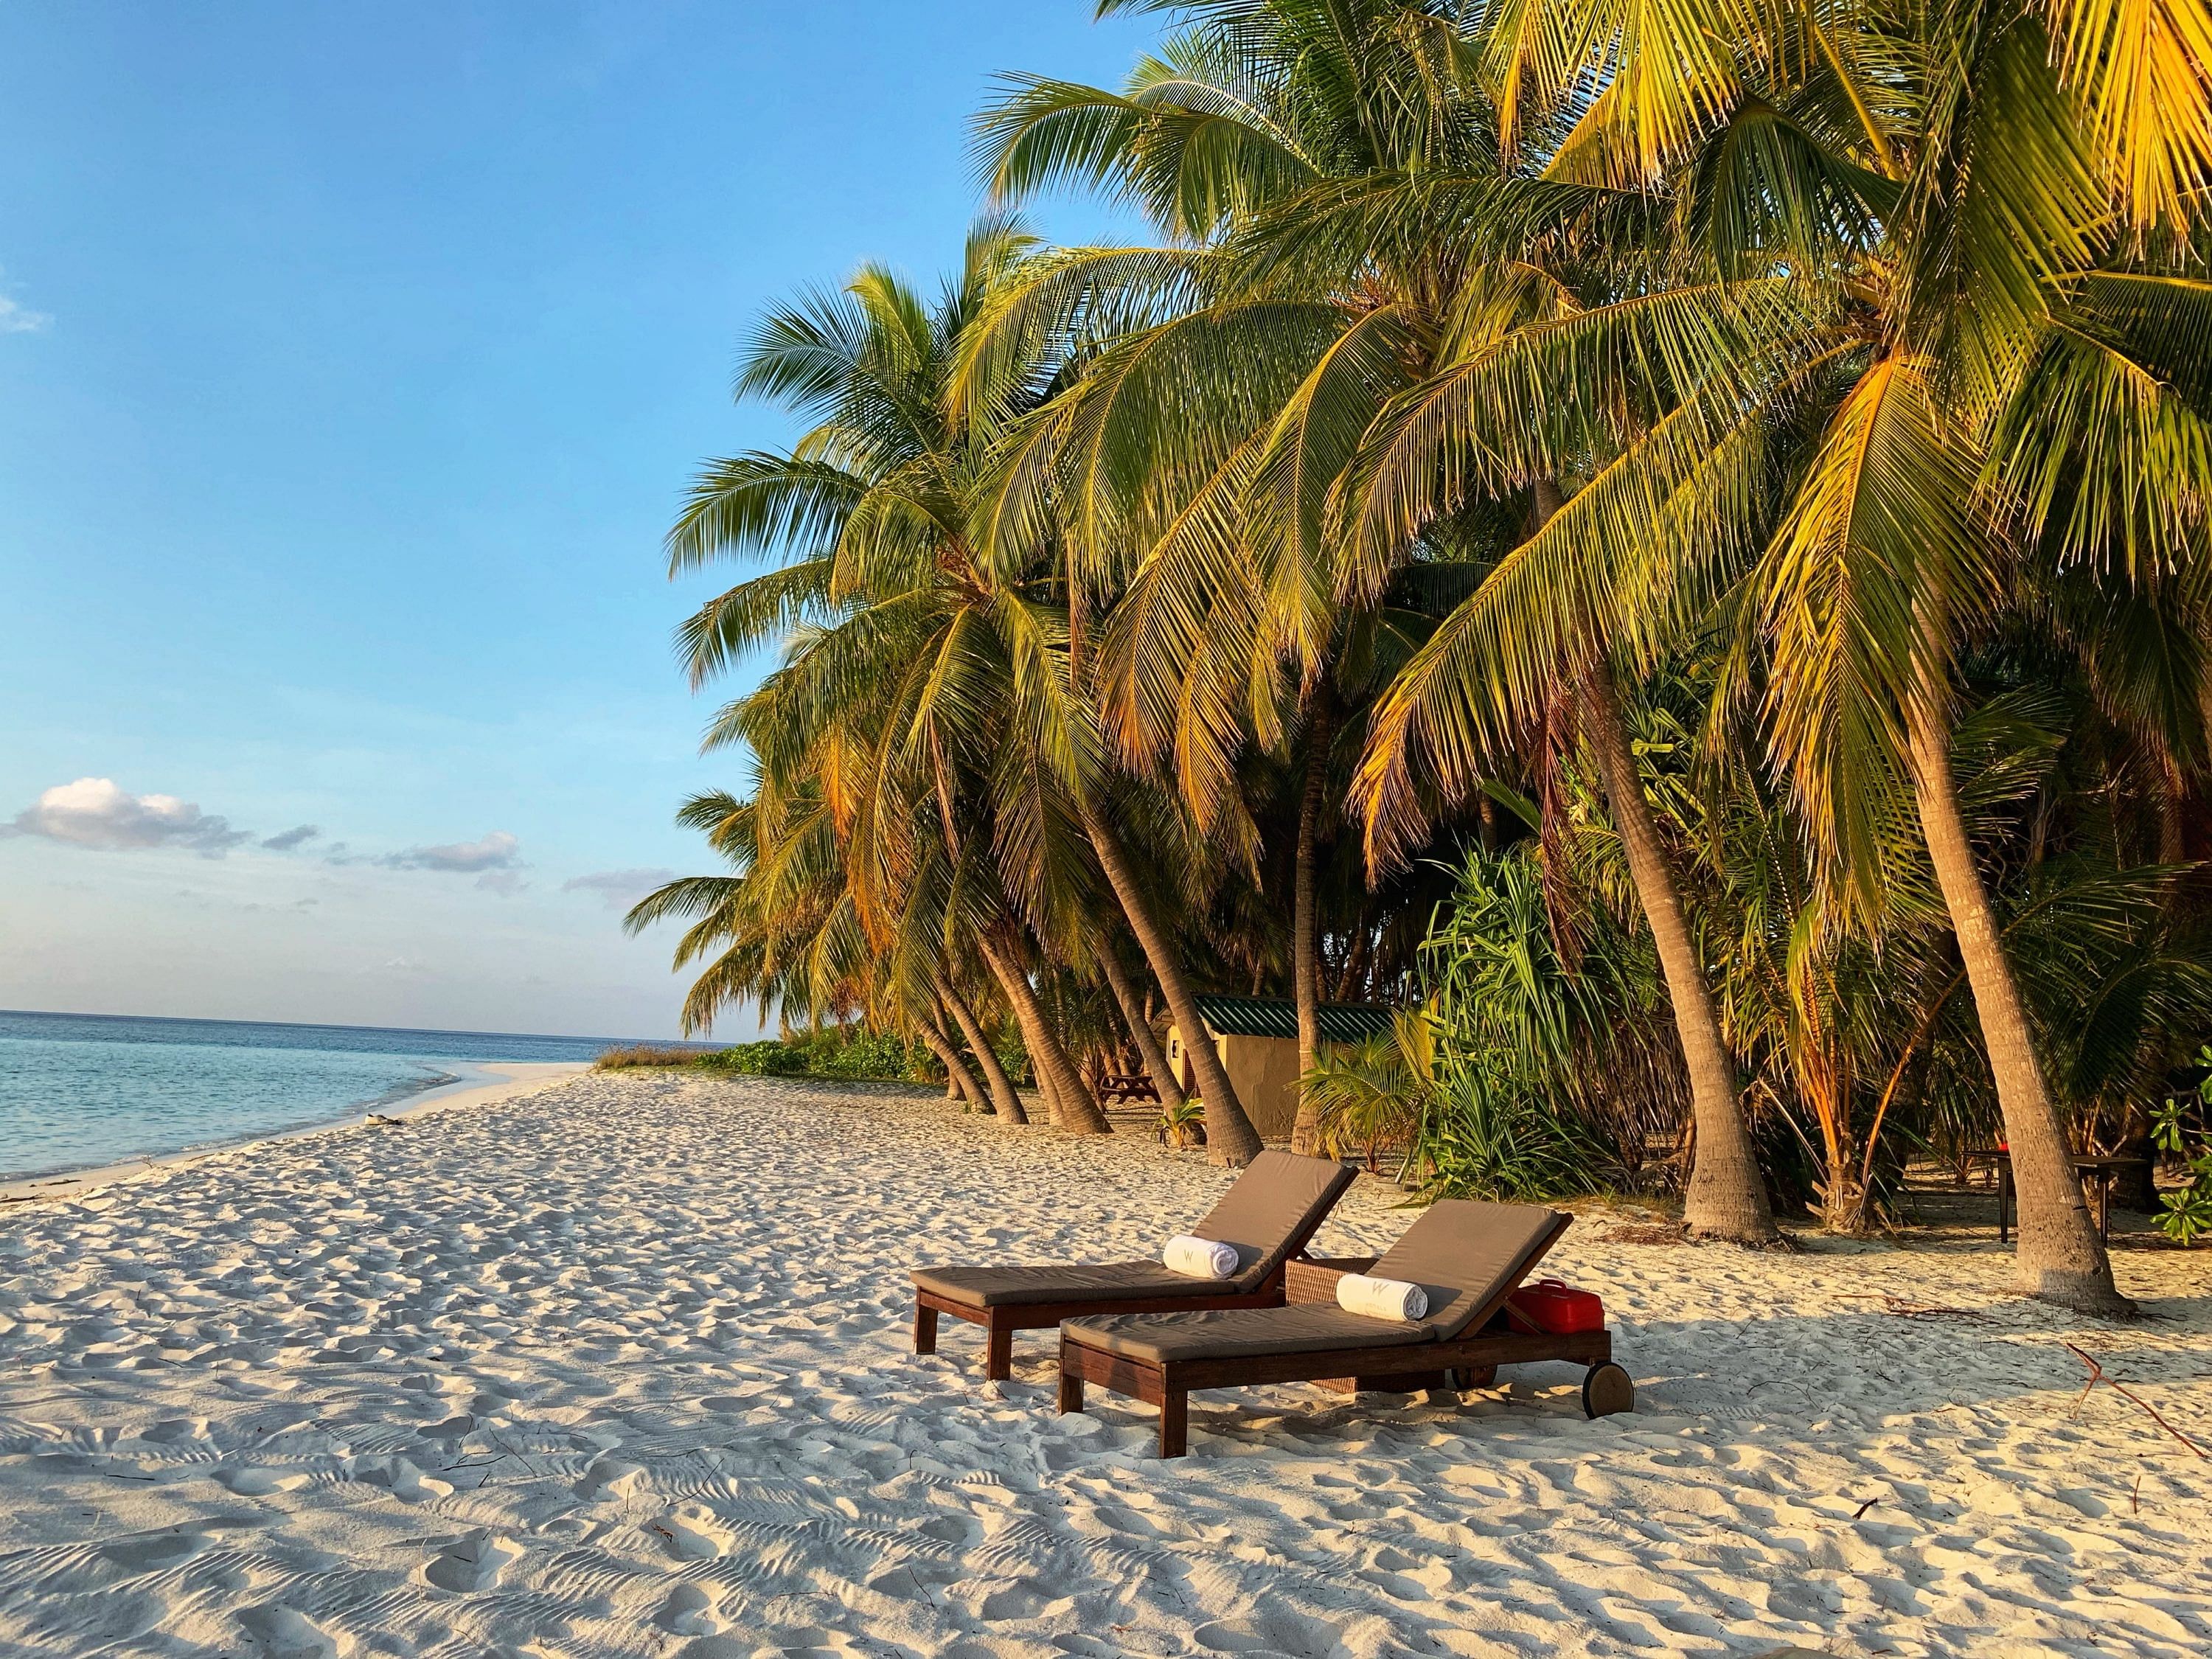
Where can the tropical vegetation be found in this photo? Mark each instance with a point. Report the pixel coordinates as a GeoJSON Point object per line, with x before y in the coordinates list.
{"type": "Point", "coordinates": [851, 1053]}
{"type": "Point", "coordinates": [1667, 542]}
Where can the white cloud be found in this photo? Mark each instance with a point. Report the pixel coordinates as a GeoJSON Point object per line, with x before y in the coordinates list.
{"type": "Point", "coordinates": [291, 838]}
{"type": "Point", "coordinates": [619, 889]}
{"type": "Point", "coordinates": [496, 851]}
{"type": "Point", "coordinates": [505, 883]}
{"type": "Point", "coordinates": [96, 812]}
{"type": "Point", "coordinates": [16, 318]}
{"type": "Point", "coordinates": [21, 319]}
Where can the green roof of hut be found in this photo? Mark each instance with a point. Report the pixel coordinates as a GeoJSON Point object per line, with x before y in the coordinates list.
{"type": "Point", "coordinates": [1278, 1017]}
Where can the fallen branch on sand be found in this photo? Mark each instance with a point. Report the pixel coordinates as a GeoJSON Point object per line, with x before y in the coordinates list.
{"type": "Point", "coordinates": [2097, 1375]}
{"type": "Point", "coordinates": [384, 1123]}
{"type": "Point", "coordinates": [1904, 1309]}
{"type": "Point", "coordinates": [1661, 1234]}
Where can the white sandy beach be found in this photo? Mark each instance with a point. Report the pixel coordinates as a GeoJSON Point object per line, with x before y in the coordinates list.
{"type": "Point", "coordinates": [622, 1366]}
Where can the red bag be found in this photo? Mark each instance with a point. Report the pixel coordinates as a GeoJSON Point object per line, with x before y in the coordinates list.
{"type": "Point", "coordinates": [1551, 1306]}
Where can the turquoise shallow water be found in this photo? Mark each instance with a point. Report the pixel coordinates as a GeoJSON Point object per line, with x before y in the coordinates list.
{"type": "Point", "coordinates": [77, 1091]}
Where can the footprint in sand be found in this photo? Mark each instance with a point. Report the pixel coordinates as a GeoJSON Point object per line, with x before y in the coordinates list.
{"type": "Point", "coordinates": [689, 1611]}
{"type": "Point", "coordinates": [1279, 1632]}
{"type": "Point", "coordinates": [285, 1633]}
{"type": "Point", "coordinates": [609, 1478]}
{"type": "Point", "coordinates": [1023, 1600]}
{"type": "Point", "coordinates": [155, 1551]}
{"type": "Point", "coordinates": [177, 1431]}
{"type": "Point", "coordinates": [740, 1399]}
{"type": "Point", "coordinates": [692, 1533]}
{"type": "Point", "coordinates": [407, 1483]}
{"type": "Point", "coordinates": [472, 1565]}
{"type": "Point", "coordinates": [259, 1483]}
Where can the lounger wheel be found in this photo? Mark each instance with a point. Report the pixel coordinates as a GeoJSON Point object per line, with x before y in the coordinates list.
{"type": "Point", "coordinates": [1607, 1390]}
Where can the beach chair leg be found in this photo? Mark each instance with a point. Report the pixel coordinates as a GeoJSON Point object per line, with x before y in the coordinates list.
{"type": "Point", "coordinates": [925, 1329]}
{"type": "Point", "coordinates": [997, 1353]}
{"type": "Point", "coordinates": [1071, 1392]}
{"type": "Point", "coordinates": [1175, 1423]}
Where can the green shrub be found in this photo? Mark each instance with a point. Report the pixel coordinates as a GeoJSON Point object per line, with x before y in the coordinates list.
{"type": "Point", "coordinates": [862, 1054]}
{"type": "Point", "coordinates": [647, 1053]}
{"type": "Point", "coordinates": [1182, 1127]}
{"type": "Point", "coordinates": [844, 1053]}
{"type": "Point", "coordinates": [766, 1057]}
{"type": "Point", "coordinates": [1007, 1043]}
{"type": "Point", "coordinates": [2188, 1213]}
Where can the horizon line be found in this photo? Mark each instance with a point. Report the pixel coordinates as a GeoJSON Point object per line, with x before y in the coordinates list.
{"type": "Point", "coordinates": [335, 1025]}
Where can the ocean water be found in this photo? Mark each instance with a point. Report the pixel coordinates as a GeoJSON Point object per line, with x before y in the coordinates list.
{"type": "Point", "coordinates": [77, 1091]}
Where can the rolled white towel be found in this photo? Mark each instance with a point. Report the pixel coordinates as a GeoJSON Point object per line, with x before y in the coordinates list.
{"type": "Point", "coordinates": [1382, 1298]}
{"type": "Point", "coordinates": [1200, 1258]}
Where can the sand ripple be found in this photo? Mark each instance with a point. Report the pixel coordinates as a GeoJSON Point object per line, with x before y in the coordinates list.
{"type": "Point", "coordinates": [622, 1367]}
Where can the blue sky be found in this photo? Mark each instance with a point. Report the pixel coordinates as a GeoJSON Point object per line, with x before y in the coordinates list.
{"type": "Point", "coordinates": [352, 360]}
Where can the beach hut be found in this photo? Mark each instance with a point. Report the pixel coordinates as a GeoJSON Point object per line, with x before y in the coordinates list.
{"type": "Point", "coordinates": [1257, 1039]}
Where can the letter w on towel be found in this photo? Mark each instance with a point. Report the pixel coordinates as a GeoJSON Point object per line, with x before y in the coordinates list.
{"type": "Point", "coordinates": [1382, 1298]}
{"type": "Point", "coordinates": [1200, 1258]}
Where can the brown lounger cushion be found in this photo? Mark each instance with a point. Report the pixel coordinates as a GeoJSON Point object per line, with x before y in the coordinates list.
{"type": "Point", "coordinates": [1065, 1281]}
{"type": "Point", "coordinates": [1271, 1210]}
{"type": "Point", "coordinates": [1235, 1333]}
{"type": "Point", "coordinates": [1468, 1257]}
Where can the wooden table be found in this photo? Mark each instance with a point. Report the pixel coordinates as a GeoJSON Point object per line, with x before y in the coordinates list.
{"type": "Point", "coordinates": [2102, 1168]}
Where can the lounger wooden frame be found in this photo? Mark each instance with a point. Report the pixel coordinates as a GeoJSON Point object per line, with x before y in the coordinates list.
{"type": "Point", "coordinates": [1169, 1384]}
{"type": "Point", "coordinates": [1000, 1320]}
{"type": "Point", "coordinates": [999, 1323]}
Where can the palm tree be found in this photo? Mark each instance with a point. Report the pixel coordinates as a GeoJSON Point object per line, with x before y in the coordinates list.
{"type": "Point", "coordinates": [781, 933]}
{"type": "Point", "coordinates": [1139, 1026]}
{"type": "Point", "coordinates": [1314, 285]}
{"type": "Point", "coordinates": [1983, 330]}
{"type": "Point", "coordinates": [940, 673]}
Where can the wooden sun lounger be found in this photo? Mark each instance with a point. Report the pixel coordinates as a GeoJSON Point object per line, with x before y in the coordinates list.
{"type": "Point", "coordinates": [1469, 1257]}
{"type": "Point", "coordinates": [1269, 1215]}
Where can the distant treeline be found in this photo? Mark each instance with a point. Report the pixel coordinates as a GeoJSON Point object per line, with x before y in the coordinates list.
{"type": "Point", "coordinates": [851, 1053]}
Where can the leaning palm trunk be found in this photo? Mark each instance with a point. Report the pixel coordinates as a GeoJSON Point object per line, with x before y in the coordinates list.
{"type": "Point", "coordinates": [2060, 1258]}
{"type": "Point", "coordinates": [958, 1078]}
{"type": "Point", "coordinates": [1305, 931]}
{"type": "Point", "coordinates": [1004, 1100]}
{"type": "Point", "coordinates": [1074, 1111]}
{"type": "Point", "coordinates": [1055, 1114]}
{"type": "Point", "coordinates": [1726, 1196]}
{"type": "Point", "coordinates": [1140, 1029]}
{"type": "Point", "coordinates": [1230, 1136]}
